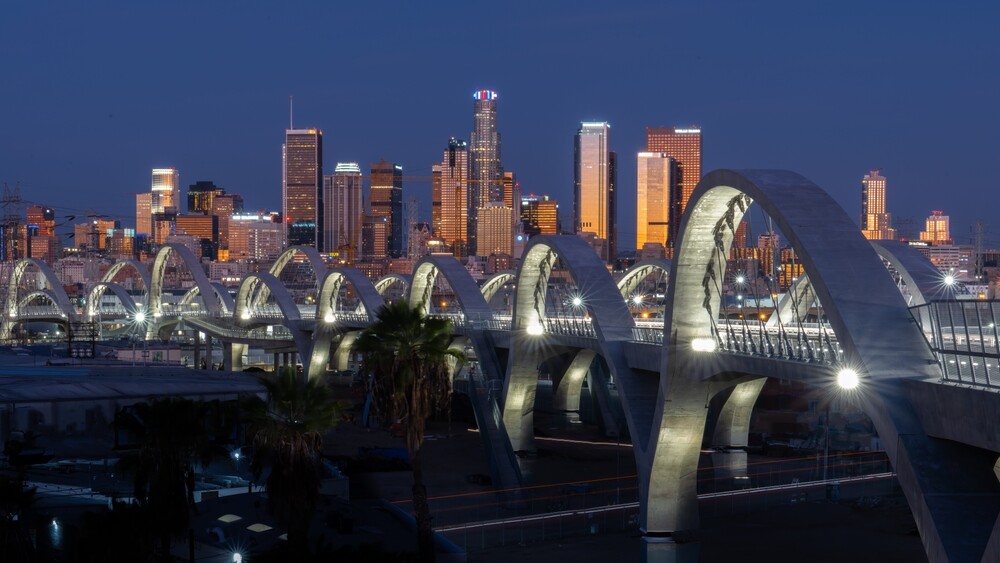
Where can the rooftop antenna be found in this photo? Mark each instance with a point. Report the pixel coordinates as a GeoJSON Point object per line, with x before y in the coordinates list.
{"type": "Point", "coordinates": [290, 113]}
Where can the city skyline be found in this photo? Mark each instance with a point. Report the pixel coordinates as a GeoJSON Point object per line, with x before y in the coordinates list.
{"type": "Point", "coordinates": [798, 111]}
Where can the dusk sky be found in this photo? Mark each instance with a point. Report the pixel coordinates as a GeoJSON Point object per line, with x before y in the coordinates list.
{"type": "Point", "coordinates": [93, 96]}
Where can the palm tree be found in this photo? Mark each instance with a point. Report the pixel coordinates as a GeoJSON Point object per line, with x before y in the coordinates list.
{"type": "Point", "coordinates": [172, 438]}
{"type": "Point", "coordinates": [287, 431]}
{"type": "Point", "coordinates": [407, 358]}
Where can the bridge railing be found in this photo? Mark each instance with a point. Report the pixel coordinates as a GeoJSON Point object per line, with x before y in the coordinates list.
{"type": "Point", "coordinates": [801, 342]}
{"type": "Point", "coordinates": [965, 339]}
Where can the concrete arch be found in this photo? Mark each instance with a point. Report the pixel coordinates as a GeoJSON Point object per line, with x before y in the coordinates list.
{"type": "Point", "coordinates": [493, 284]}
{"type": "Point", "coordinates": [610, 316]}
{"type": "Point", "coordinates": [248, 296]}
{"type": "Point", "coordinates": [58, 294]}
{"type": "Point", "coordinates": [46, 294]}
{"type": "Point", "coordinates": [387, 281]}
{"type": "Point", "coordinates": [639, 271]}
{"type": "Point", "coordinates": [94, 298]}
{"type": "Point", "coordinates": [862, 305]}
{"type": "Point", "coordinates": [139, 268]}
{"type": "Point", "coordinates": [221, 293]}
{"type": "Point", "coordinates": [567, 393]}
{"type": "Point", "coordinates": [193, 264]}
{"type": "Point", "coordinates": [370, 298]}
{"type": "Point", "coordinates": [925, 282]}
{"type": "Point", "coordinates": [470, 299]}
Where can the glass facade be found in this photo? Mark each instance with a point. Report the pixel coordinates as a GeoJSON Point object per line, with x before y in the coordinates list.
{"type": "Point", "coordinates": [486, 172]}
{"type": "Point", "coordinates": [450, 197]}
{"type": "Point", "coordinates": [386, 197]}
{"type": "Point", "coordinates": [343, 211]}
{"type": "Point", "coordinates": [302, 186]}
{"type": "Point", "coordinates": [655, 183]}
{"type": "Point", "coordinates": [684, 146]}
{"type": "Point", "coordinates": [876, 224]}
{"type": "Point", "coordinates": [592, 189]}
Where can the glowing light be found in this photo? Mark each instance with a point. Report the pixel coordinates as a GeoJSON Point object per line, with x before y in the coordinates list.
{"type": "Point", "coordinates": [140, 317]}
{"type": "Point", "coordinates": [703, 344]}
{"type": "Point", "coordinates": [637, 300]}
{"type": "Point", "coordinates": [444, 303]}
{"type": "Point", "coordinates": [949, 280]}
{"type": "Point", "coordinates": [237, 558]}
{"type": "Point", "coordinates": [577, 301]}
{"type": "Point", "coordinates": [535, 329]}
{"type": "Point", "coordinates": [245, 316]}
{"type": "Point", "coordinates": [329, 317]}
{"type": "Point", "coordinates": [847, 378]}
{"type": "Point", "coordinates": [741, 279]}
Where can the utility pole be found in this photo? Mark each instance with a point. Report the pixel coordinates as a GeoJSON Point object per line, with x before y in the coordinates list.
{"type": "Point", "coordinates": [978, 241]}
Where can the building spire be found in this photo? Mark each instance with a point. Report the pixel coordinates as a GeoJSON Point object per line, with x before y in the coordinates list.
{"type": "Point", "coordinates": [290, 110]}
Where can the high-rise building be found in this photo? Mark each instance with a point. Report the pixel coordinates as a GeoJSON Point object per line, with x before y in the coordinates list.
{"type": "Point", "coordinates": [201, 196]}
{"type": "Point", "coordinates": [937, 229]}
{"type": "Point", "coordinates": [656, 181]}
{"type": "Point", "coordinates": [539, 215]}
{"type": "Point", "coordinates": [344, 211]}
{"type": "Point", "coordinates": [876, 223]}
{"type": "Point", "coordinates": [40, 240]}
{"type": "Point", "coordinates": [166, 190]}
{"type": "Point", "coordinates": [450, 196]}
{"type": "Point", "coordinates": [386, 197]}
{"type": "Point", "coordinates": [224, 207]}
{"type": "Point", "coordinates": [255, 237]}
{"type": "Point", "coordinates": [144, 214]}
{"type": "Point", "coordinates": [205, 227]}
{"type": "Point", "coordinates": [302, 187]}
{"type": "Point", "coordinates": [94, 233]}
{"type": "Point", "coordinates": [486, 173]}
{"type": "Point", "coordinates": [593, 194]}
{"type": "Point", "coordinates": [684, 146]}
{"type": "Point", "coordinates": [374, 237]}
{"type": "Point", "coordinates": [495, 229]}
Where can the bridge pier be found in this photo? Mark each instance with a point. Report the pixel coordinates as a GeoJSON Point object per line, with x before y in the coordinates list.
{"type": "Point", "coordinates": [197, 349]}
{"type": "Point", "coordinates": [232, 356]}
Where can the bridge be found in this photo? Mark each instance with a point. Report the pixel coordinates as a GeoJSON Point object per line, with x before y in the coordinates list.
{"type": "Point", "coordinates": [657, 344]}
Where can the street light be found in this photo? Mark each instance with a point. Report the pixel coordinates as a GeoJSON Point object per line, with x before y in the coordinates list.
{"type": "Point", "coordinates": [703, 344]}
{"type": "Point", "coordinates": [848, 379]}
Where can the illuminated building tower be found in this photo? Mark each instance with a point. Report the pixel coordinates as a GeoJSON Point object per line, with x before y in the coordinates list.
{"type": "Point", "coordinates": [201, 196]}
{"type": "Point", "coordinates": [450, 196]}
{"type": "Point", "coordinates": [224, 207]}
{"type": "Point", "coordinates": [486, 173]}
{"type": "Point", "coordinates": [593, 187]}
{"type": "Point", "coordinates": [937, 230]}
{"type": "Point", "coordinates": [684, 146]}
{"type": "Point", "coordinates": [539, 215]}
{"type": "Point", "coordinates": [302, 187]}
{"type": "Point", "coordinates": [205, 227]}
{"type": "Point", "coordinates": [255, 237]}
{"type": "Point", "coordinates": [144, 214]}
{"type": "Point", "coordinates": [495, 229]}
{"type": "Point", "coordinates": [40, 240]}
{"type": "Point", "coordinates": [375, 237]}
{"type": "Point", "coordinates": [386, 197]}
{"type": "Point", "coordinates": [166, 190]}
{"type": "Point", "coordinates": [876, 224]}
{"type": "Point", "coordinates": [344, 211]}
{"type": "Point", "coordinates": [655, 182]}
{"type": "Point", "coordinates": [93, 234]}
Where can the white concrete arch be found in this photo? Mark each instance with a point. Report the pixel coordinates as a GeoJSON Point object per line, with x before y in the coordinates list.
{"type": "Point", "coordinates": [193, 264]}
{"type": "Point", "coordinates": [494, 283]}
{"type": "Point", "coordinates": [98, 291]}
{"type": "Point", "coordinates": [45, 294]}
{"type": "Point", "coordinates": [860, 301]}
{"type": "Point", "coordinates": [470, 299]}
{"type": "Point", "coordinates": [139, 268]}
{"type": "Point", "coordinates": [221, 293]}
{"type": "Point", "coordinates": [370, 298]}
{"type": "Point", "coordinates": [610, 316]}
{"type": "Point", "coordinates": [924, 281]}
{"type": "Point", "coordinates": [387, 281]}
{"type": "Point", "coordinates": [58, 294]}
{"type": "Point", "coordinates": [249, 292]}
{"type": "Point", "coordinates": [639, 271]}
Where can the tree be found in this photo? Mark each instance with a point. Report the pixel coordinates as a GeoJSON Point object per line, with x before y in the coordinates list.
{"type": "Point", "coordinates": [172, 437]}
{"type": "Point", "coordinates": [287, 431]}
{"type": "Point", "coordinates": [407, 359]}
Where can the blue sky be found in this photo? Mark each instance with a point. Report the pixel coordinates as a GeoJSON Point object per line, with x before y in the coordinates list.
{"type": "Point", "coordinates": [92, 96]}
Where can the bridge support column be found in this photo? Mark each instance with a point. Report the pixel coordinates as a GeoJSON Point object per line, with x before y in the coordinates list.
{"type": "Point", "coordinates": [232, 356]}
{"type": "Point", "coordinates": [519, 390]}
{"type": "Point", "coordinates": [196, 361]}
{"type": "Point", "coordinates": [671, 506]}
{"type": "Point", "coordinates": [277, 362]}
{"type": "Point", "coordinates": [208, 352]}
{"type": "Point", "coordinates": [342, 356]}
{"type": "Point", "coordinates": [732, 429]}
{"type": "Point", "coordinates": [567, 395]}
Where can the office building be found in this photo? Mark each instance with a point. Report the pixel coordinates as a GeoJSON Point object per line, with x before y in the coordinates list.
{"type": "Point", "coordinates": [201, 196]}
{"type": "Point", "coordinates": [386, 200]}
{"type": "Point", "coordinates": [374, 237]}
{"type": "Point", "coordinates": [255, 237]}
{"type": "Point", "coordinates": [539, 215]}
{"type": "Point", "coordinates": [684, 146]}
{"type": "Point", "coordinates": [94, 233]}
{"type": "Point", "coordinates": [876, 223]}
{"type": "Point", "coordinates": [486, 173]}
{"type": "Point", "coordinates": [224, 207]}
{"type": "Point", "coordinates": [40, 240]}
{"type": "Point", "coordinates": [937, 230]}
{"type": "Point", "coordinates": [450, 197]}
{"type": "Point", "coordinates": [593, 188]}
{"type": "Point", "coordinates": [166, 190]}
{"type": "Point", "coordinates": [655, 182]}
{"type": "Point", "coordinates": [495, 229]}
{"type": "Point", "coordinates": [343, 211]}
{"type": "Point", "coordinates": [302, 187]}
{"type": "Point", "coordinates": [205, 228]}
{"type": "Point", "coordinates": [144, 214]}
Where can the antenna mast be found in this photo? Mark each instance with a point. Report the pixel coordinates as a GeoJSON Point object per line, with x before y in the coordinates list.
{"type": "Point", "coordinates": [290, 109]}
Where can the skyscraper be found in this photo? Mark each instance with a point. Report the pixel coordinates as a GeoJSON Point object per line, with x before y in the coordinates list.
{"type": "Point", "coordinates": [876, 223]}
{"type": "Point", "coordinates": [144, 213]}
{"type": "Point", "coordinates": [302, 187]}
{"type": "Point", "coordinates": [937, 230]}
{"type": "Point", "coordinates": [495, 229]}
{"type": "Point", "coordinates": [450, 196]}
{"type": "Point", "coordinates": [486, 178]}
{"type": "Point", "coordinates": [166, 190]}
{"type": "Point", "coordinates": [344, 211]}
{"type": "Point", "coordinates": [201, 195]}
{"type": "Point", "coordinates": [684, 146]}
{"type": "Point", "coordinates": [656, 181]}
{"type": "Point", "coordinates": [386, 197]}
{"type": "Point", "coordinates": [592, 188]}
{"type": "Point", "coordinates": [539, 215]}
